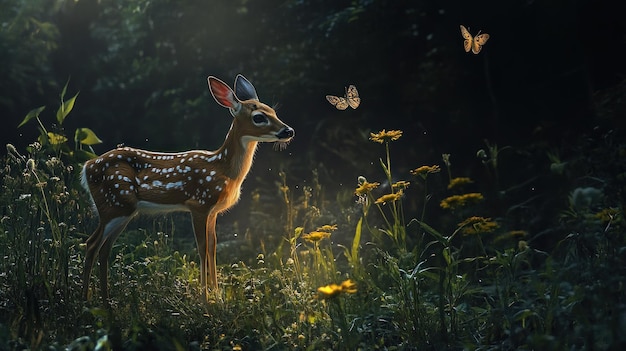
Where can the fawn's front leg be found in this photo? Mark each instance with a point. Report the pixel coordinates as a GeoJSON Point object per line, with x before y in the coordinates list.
{"type": "Point", "coordinates": [204, 231]}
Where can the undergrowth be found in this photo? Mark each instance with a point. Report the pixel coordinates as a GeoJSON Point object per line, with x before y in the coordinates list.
{"type": "Point", "coordinates": [443, 273]}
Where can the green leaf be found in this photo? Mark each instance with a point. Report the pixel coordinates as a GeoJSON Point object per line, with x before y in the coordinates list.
{"type": "Point", "coordinates": [83, 155]}
{"type": "Point", "coordinates": [43, 139]}
{"type": "Point", "coordinates": [357, 240]}
{"type": "Point", "coordinates": [65, 108]}
{"type": "Point", "coordinates": [32, 114]}
{"type": "Point", "coordinates": [433, 232]}
{"type": "Point", "coordinates": [86, 137]}
{"type": "Point", "coordinates": [385, 169]}
{"type": "Point", "coordinates": [446, 255]}
{"type": "Point", "coordinates": [56, 139]}
{"type": "Point", "coordinates": [64, 89]}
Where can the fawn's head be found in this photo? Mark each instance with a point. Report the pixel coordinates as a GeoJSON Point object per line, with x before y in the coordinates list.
{"type": "Point", "coordinates": [254, 120]}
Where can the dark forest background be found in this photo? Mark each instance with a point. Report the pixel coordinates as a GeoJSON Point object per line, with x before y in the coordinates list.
{"type": "Point", "coordinates": [141, 66]}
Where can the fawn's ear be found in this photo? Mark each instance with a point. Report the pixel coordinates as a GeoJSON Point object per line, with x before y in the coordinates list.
{"type": "Point", "coordinates": [244, 89]}
{"type": "Point", "coordinates": [223, 94]}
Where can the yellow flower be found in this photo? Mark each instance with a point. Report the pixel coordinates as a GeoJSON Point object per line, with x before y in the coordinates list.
{"type": "Point", "coordinates": [315, 236]}
{"type": "Point", "coordinates": [455, 201]}
{"type": "Point", "coordinates": [329, 291]}
{"type": "Point", "coordinates": [365, 188]}
{"type": "Point", "coordinates": [400, 185]}
{"type": "Point", "coordinates": [389, 198]}
{"type": "Point", "coordinates": [459, 181]}
{"type": "Point", "coordinates": [348, 286]}
{"type": "Point", "coordinates": [384, 136]}
{"type": "Point", "coordinates": [327, 228]}
{"type": "Point", "coordinates": [472, 220]}
{"type": "Point", "coordinates": [476, 225]}
{"type": "Point", "coordinates": [333, 290]}
{"type": "Point", "coordinates": [424, 170]}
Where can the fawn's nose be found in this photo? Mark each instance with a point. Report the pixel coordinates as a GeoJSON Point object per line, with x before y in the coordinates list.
{"type": "Point", "coordinates": [286, 133]}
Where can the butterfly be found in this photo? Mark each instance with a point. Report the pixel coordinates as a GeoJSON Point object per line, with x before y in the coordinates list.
{"type": "Point", "coordinates": [474, 43]}
{"type": "Point", "coordinates": [351, 99]}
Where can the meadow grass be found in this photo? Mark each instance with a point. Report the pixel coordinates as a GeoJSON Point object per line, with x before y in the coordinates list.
{"type": "Point", "coordinates": [406, 280]}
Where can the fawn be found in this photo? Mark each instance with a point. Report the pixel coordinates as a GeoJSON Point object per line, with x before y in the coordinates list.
{"type": "Point", "coordinates": [126, 181]}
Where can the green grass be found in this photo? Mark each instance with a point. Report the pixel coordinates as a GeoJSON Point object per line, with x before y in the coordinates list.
{"type": "Point", "coordinates": [443, 274]}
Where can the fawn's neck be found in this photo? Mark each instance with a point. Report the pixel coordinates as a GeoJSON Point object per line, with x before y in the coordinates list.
{"type": "Point", "coordinates": [238, 154]}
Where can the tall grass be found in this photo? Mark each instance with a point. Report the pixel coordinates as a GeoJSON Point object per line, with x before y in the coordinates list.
{"type": "Point", "coordinates": [405, 280]}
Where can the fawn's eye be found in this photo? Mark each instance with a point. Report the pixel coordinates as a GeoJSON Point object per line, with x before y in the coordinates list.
{"type": "Point", "coordinates": [260, 118]}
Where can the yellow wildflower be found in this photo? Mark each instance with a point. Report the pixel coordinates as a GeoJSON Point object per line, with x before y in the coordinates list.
{"type": "Point", "coordinates": [329, 291]}
{"type": "Point", "coordinates": [384, 136]}
{"type": "Point", "coordinates": [348, 286]}
{"type": "Point", "coordinates": [472, 220]}
{"type": "Point", "coordinates": [389, 198]}
{"type": "Point", "coordinates": [424, 170]}
{"type": "Point", "coordinates": [365, 188]}
{"type": "Point", "coordinates": [477, 225]}
{"type": "Point", "coordinates": [315, 236]}
{"type": "Point", "coordinates": [327, 228]}
{"type": "Point", "coordinates": [455, 201]}
{"type": "Point", "coordinates": [402, 184]}
{"type": "Point", "coordinates": [459, 181]}
{"type": "Point", "coordinates": [333, 290]}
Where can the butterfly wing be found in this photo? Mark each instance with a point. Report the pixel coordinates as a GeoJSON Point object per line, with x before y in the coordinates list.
{"type": "Point", "coordinates": [467, 43]}
{"type": "Point", "coordinates": [352, 95]}
{"type": "Point", "coordinates": [339, 102]}
{"type": "Point", "coordinates": [478, 42]}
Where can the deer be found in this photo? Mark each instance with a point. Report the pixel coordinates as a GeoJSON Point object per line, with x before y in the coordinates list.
{"type": "Point", "coordinates": [125, 181]}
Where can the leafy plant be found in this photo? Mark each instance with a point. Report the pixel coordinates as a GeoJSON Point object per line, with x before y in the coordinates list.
{"type": "Point", "coordinates": [55, 141]}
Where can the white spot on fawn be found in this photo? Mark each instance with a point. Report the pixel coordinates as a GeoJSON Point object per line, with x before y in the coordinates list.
{"type": "Point", "coordinates": [175, 185]}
